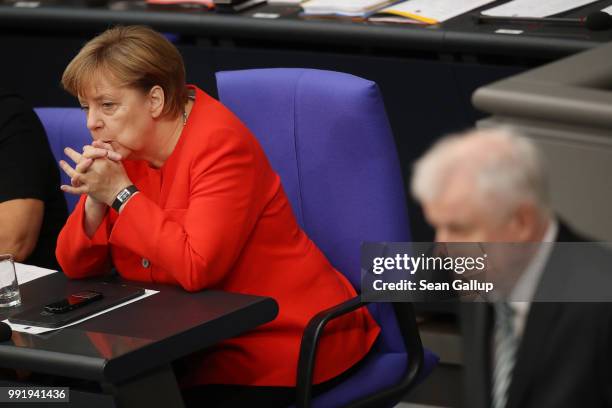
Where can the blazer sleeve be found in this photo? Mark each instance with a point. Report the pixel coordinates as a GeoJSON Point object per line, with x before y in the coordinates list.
{"type": "Point", "coordinates": [78, 255]}
{"type": "Point", "coordinates": [224, 203]}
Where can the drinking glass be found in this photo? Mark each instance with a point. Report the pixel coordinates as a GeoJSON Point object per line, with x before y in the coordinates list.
{"type": "Point", "coordinates": [9, 288]}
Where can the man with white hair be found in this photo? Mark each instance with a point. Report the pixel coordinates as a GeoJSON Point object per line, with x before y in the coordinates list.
{"type": "Point", "coordinates": [482, 186]}
{"type": "Point", "coordinates": [488, 186]}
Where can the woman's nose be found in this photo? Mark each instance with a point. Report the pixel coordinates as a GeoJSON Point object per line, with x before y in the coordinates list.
{"type": "Point", "coordinates": [93, 120]}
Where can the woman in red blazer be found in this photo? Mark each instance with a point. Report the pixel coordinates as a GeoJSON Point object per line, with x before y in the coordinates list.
{"type": "Point", "coordinates": [176, 190]}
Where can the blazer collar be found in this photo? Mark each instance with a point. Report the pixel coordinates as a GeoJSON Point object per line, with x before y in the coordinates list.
{"type": "Point", "coordinates": [542, 316]}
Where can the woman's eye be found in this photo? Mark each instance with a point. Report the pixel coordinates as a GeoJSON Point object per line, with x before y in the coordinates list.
{"type": "Point", "coordinates": [84, 108]}
{"type": "Point", "coordinates": [108, 105]}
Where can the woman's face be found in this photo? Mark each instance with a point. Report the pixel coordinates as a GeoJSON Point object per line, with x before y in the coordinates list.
{"type": "Point", "coordinates": [121, 116]}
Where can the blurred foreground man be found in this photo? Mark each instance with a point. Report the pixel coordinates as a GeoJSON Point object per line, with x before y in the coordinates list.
{"type": "Point", "coordinates": [489, 186]}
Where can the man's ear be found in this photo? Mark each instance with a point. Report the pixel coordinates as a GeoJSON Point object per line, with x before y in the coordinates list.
{"type": "Point", "coordinates": [157, 101]}
{"type": "Point", "coordinates": [526, 223]}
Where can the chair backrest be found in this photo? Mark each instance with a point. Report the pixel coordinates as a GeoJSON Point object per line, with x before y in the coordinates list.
{"type": "Point", "coordinates": [328, 137]}
{"type": "Point", "coordinates": [65, 127]}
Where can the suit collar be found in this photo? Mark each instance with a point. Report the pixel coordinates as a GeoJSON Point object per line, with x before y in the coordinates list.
{"type": "Point", "coordinates": [567, 234]}
{"type": "Point", "coordinates": [477, 323]}
{"type": "Point", "coordinates": [542, 316]}
{"type": "Point", "coordinates": [532, 349]}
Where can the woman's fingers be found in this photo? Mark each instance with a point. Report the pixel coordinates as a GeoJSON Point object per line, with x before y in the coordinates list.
{"type": "Point", "coordinates": [103, 145]}
{"type": "Point", "coordinates": [114, 156]}
{"type": "Point", "coordinates": [75, 174]}
{"type": "Point", "coordinates": [67, 169]}
{"type": "Point", "coordinates": [91, 152]}
{"type": "Point", "coordinates": [73, 190]}
{"type": "Point", "coordinates": [76, 157]}
{"type": "Point", "coordinates": [100, 149]}
{"type": "Point", "coordinates": [84, 165]}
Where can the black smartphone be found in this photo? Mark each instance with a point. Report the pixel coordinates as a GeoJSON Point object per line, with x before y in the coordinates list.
{"type": "Point", "coordinates": [74, 301]}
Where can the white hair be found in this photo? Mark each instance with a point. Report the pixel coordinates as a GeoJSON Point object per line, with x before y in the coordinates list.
{"type": "Point", "coordinates": [505, 166]}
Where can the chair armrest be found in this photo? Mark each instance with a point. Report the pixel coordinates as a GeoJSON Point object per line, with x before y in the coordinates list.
{"type": "Point", "coordinates": [314, 330]}
{"type": "Point", "coordinates": [310, 341]}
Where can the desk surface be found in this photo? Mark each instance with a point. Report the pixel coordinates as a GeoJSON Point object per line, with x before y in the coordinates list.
{"type": "Point", "coordinates": [459, 34]}
{"type": "Point", "coordinates": [133, 339]}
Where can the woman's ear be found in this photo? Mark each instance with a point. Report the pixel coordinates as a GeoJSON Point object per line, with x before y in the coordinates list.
{"type": "Point", "coordinates": [157, 100]}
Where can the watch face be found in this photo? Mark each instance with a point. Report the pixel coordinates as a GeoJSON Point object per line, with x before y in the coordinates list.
{"type": "Point", "coordinates": [123, 195]}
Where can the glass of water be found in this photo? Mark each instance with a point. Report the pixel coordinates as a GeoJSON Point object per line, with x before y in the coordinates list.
{"type": "Point", "coordinates": [9, 288]}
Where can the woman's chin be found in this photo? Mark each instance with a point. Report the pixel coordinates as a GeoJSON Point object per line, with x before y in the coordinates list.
{"type": "Point", "coordinates": [126, 154]}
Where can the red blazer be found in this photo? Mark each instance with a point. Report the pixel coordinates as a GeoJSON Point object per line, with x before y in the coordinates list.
{"type": "Point", "coordinates": [216, 216]}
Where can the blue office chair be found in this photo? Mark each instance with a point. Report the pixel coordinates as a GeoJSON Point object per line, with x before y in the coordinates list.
{"type": "Point", "coordinates": [65, 127]}
{"type": "Point", "coordinates": [328, 137]}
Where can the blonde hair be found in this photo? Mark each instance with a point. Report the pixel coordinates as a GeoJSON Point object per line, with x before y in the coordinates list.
{"type": "Point", "coordinates": [134, 56]}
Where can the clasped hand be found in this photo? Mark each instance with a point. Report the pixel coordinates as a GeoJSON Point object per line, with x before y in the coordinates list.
{"type": "Point", "coordinates": [98, 172]}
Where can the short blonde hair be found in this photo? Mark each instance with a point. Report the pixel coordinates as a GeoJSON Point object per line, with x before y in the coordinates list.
{"type": "Point", "coordinates": [136, 57]}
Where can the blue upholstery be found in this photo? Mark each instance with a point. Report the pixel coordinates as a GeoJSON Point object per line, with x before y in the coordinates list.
{"type": "Point", "coordinates": [328, 137]}
{"type": "Point", "coordinates": [65, 127]}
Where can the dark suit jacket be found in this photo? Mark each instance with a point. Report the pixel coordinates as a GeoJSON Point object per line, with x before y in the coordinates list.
{"type": "Point", "coordinates": [565, 354]}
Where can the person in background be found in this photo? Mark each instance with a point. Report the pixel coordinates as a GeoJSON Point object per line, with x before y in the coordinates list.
{"type": "Point", "coordinates": [176, 190]}
{"type": "Point", "coordinates": [489, 186]}
{"type": "Point", "coordinates": [32, 207]}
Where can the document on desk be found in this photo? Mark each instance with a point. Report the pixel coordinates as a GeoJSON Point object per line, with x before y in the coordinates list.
{"type": "Point", "coordinates": [607, 10]}
{"type": "Point", "coordinates": [531, 8]}
{"type": "Point", "coordinates": [27, 273]}
{"type": "Point", "coordinates": [40, 330]}
{"type": "Point", "coordinates": [352, 8]}
{"type": "Point", "coordinates": [284, 1]}
{"type": "Point", "coordinates": [430, 11]}
{"type": "Point", "coordinates": [190, 3]}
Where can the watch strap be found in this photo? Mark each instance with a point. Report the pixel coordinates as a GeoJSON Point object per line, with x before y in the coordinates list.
{"type": "Point", "coordinates": [123, 196]}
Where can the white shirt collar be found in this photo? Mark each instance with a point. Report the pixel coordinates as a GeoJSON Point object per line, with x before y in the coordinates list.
{"type": "Point", "coordinates": [528, 281]}
{"type": "Point", "coordinates": [527, 284]}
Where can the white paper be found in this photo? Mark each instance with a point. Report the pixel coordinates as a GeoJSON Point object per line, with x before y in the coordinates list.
{"type": "Point", "coordinates": [434, 11]}
{"type": "Point", "coordinates": [343, 7]}
{"type": "Point", "coordinates": [390, 18]}
{"type": "Point", "coordinates": [534, 8]}
{"type": "Point", "coordinates": [39, 330]}
{"type": "Point", "coordinates": [284, 1]}
{"type": "Point", "coordinates": [27, 273]}
{"type": "Point", "coordinates": [607, 10]}
{"type": "Point", "coordinates": [507, 31]}
{"type": "Point", "coordinates": [267, 16]}
{"type": "Point", "coordinates": [27, 4]}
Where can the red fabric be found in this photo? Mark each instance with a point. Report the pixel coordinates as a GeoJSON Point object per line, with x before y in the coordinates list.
{"type": "Point", "coordinates": [216, 216]}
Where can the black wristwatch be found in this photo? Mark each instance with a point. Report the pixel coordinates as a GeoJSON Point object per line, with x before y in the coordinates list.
{"type": "Point", "coordinates": [123, 196]}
